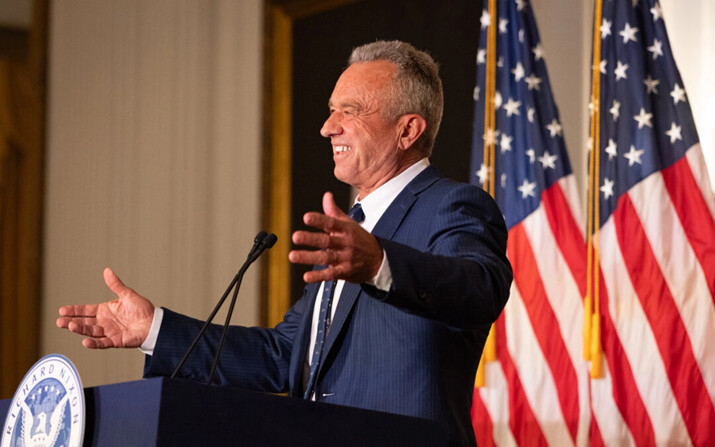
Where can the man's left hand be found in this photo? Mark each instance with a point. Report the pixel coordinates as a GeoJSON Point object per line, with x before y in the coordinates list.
{"type": "Point", "coordinates": [350, 252]}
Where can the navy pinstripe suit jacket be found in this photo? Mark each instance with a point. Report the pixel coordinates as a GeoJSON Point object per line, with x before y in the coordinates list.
{"type": "Point", "coordinates": [413, 350]}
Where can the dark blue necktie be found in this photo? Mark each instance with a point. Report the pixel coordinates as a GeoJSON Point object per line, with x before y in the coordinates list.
{"type": "Point", "coordinates": [356, 213]}
{"type": "Point", "coordinates": [324, 316]}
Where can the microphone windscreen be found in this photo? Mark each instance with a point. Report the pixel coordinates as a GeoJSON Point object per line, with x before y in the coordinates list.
{"type": "Point", "coordinates": [270, 240]}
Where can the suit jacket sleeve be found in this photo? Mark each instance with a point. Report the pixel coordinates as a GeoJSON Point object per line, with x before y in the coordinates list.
{"type": "Point", "coordinates": [252, 358]}
{"type": "Point", "coordinates": [457, 272]}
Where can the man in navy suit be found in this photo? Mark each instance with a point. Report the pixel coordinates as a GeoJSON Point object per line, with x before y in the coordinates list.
{"type": "Point", "coordinates": [416, 283]}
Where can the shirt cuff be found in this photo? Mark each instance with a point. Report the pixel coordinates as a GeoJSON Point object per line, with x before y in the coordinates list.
{"type": "Point", "coordinates": [383, 279]}
{"type": "Point", "coordinates": [148, 346]}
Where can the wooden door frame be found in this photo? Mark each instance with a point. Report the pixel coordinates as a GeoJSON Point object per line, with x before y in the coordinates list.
{"type": "Point", "coordinates": [23, 89]}
{"type": "Point", "coordinates": [279, 16]}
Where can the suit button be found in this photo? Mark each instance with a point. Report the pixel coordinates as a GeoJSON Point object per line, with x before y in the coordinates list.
{"type": "Point", "coordinates": [426, 297]}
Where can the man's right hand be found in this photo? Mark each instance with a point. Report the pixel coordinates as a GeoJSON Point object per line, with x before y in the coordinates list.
{"type": "Point", "coordinates": [121, 323]}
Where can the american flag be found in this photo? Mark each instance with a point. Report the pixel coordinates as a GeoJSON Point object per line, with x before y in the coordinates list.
{"type": "Point", "coordinates": [656, 238]}
{"type": "Point", "coordinates": [536, 393]}
{"type": "Point", "coordinates": [655, 241]}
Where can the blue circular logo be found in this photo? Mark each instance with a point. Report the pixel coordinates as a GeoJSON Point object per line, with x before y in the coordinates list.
{"type": "Point", "coordinates": [48, 407]}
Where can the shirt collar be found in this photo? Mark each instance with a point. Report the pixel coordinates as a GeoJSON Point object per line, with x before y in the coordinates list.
{"type": "Point", "coordinates": [375, 203]}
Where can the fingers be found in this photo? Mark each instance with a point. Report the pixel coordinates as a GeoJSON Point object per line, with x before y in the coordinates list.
{"type": "Point", "coordinates": [71, 313]}
{"type": "Point", "coordinates": [97, 343]}
{"type": "Point", "coordinates": [330, 208]}
{"type": "Point", "coordinates": [63, 323]}
{"type": "Point", "coordinates": [90, 343]}
{"type": "Point", "coordinates": [319, 257]}
{"type": "Point", "coordinates": [324, 222]}
{"type": "Point", "coordinates": [87, 327]}
{"type": "Point", "coordinates": [79, 326]}
{"type": "Point", "coordinates": [327, 274]}
{"type": "Point", "coordinates": [89, 310]}
{"type": "Point", "coordinates": [332, 219]}
{"type": "Point", "coordinates": [323, 241]}
{"type": "Point", "coordinates": [114, 283]}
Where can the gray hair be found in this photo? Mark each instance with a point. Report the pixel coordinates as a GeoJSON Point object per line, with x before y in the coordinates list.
{"type": "Point", "coordinates": [418, 88]}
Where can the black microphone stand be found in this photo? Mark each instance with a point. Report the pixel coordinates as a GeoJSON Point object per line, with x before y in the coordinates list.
{"type": "Point", "coordinates": [262, 242]}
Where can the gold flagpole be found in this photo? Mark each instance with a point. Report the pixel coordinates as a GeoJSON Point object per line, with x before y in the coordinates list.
{"type": "Point", "coordinates": [592, 349]}
{"type": "Point", "coordinates": [490, 347]}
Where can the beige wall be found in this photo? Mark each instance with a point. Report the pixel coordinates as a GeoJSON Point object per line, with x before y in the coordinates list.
{"type": "Point", "coordinates": [153, 161]}
{"type": "Point", "coordinates": [16, 13]}
{"type": "Point", "coordinates": [565, 30]}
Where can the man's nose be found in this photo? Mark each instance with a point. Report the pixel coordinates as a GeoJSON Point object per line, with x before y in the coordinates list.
{"type": "Point", "coordinates": [331, 126]}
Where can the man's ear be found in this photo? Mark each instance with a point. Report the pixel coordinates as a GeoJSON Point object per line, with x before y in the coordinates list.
{"type": "Point", "coordinates": [411, 127]}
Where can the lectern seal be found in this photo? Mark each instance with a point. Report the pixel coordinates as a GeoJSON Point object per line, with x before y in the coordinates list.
{"type": "Point", "coordinates": [48, 407]}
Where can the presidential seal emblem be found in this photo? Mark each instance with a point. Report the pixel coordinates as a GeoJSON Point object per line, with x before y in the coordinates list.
{"type": "Point", "coordinates": [48, 407]}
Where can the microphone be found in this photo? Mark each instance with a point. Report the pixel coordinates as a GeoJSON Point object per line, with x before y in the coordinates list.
{"type": "Point", "coordinates": [266, 242]}
{"type": "Point", "coordinates": [262, 242]}
{"type": "Point", "coordinates": [256, 241]}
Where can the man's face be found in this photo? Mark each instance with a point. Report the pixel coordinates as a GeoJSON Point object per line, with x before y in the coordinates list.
{"type": "Point", "coordinates": [365, 144]}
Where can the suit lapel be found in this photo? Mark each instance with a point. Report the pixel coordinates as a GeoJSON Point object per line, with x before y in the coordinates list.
{"type": "Point", "coordinates": [385, 228]}
{"type": "Point", "coordinates": [396, 212]}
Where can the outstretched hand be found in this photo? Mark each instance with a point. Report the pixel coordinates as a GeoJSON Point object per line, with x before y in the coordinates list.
{"type": "Point", "coordinates": [121, 323]}
{"type": "Point", "coordinates": [348, 251]}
